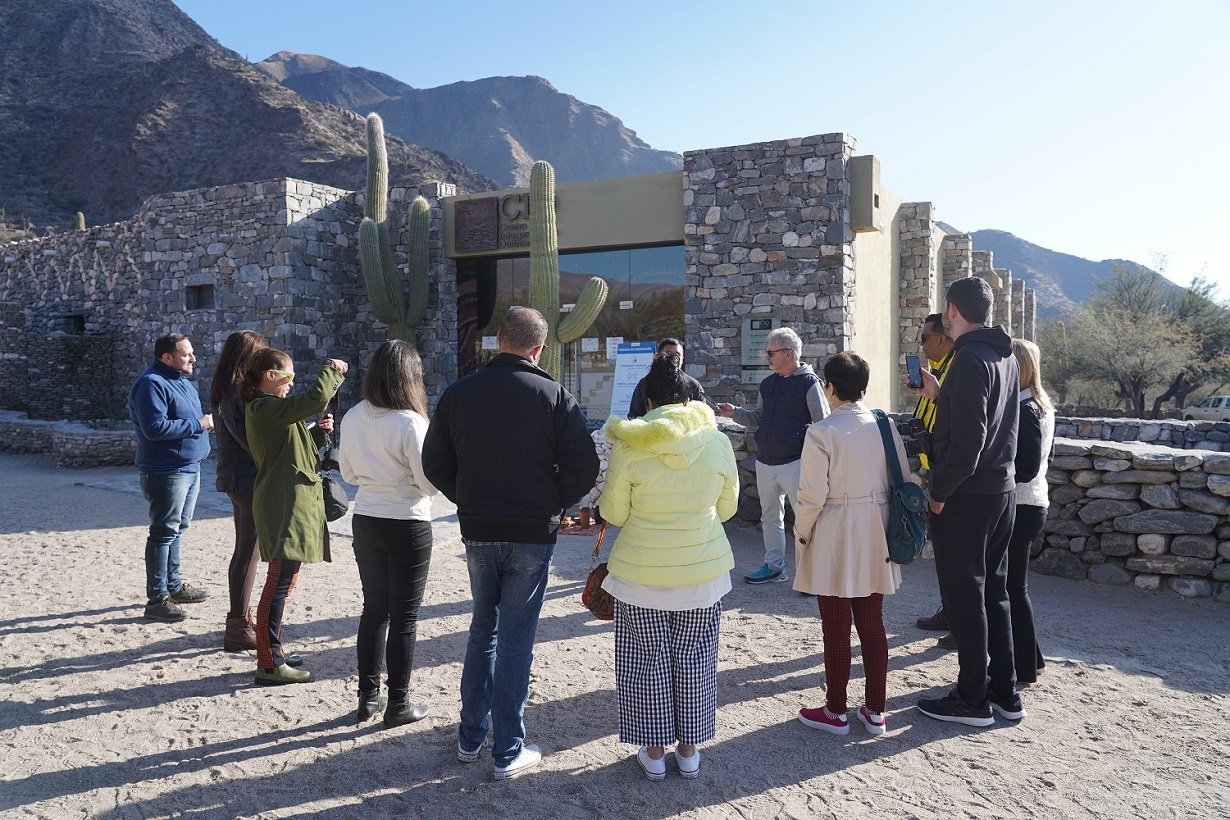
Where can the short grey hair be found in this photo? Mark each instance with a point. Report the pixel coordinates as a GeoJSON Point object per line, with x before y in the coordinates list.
{"type": "Point", "coordinates": [786, 337]}
{"type": "Point", "coordinates": [522, 330]}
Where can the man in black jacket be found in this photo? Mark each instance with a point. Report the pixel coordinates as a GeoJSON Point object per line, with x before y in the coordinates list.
{"type": "Point", "coordinates": [972, 494]}
{"type": "Point", "coordinates": [509, 446]}
{"type": "Point", "coordinates": [692, 389]}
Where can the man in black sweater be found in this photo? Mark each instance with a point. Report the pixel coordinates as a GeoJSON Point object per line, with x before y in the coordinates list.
{"type": "Point", "coordinates": [694, 391]}
{"type": "Point", "coordinates": [972, 494]}
{"type": "Point", "coordinates": [509, 446]}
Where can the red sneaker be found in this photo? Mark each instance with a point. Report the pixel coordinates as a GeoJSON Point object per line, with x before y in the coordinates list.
{"type": "Point", "coordinates": [822, 718]}
{"type": "Point", "coordinates": [872, 721]}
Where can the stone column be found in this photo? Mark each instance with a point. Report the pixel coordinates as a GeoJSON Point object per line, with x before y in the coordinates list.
{"type": "Point", "coordinates": [1003, 299]}
{"type": "Point", "coordinates": [1018, 307]}
{"type": "Point", "coordinates": [766, 233]}
{"type": "Point", "coordinates": [1029, 329]}
{"type": "Point", "coordinates": [958, 258]}
{"type": "Point", "coordinates": [916, 254]}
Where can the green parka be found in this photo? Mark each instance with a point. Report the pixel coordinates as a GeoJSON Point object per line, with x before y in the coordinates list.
{"type": "Point", "coordinates": [287, 500]}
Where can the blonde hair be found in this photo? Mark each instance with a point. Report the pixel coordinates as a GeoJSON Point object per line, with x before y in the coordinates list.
{"type": "Point", "coordinates": [1028, 357]}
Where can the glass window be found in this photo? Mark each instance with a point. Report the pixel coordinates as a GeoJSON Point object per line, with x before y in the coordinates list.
{"type": "Point", "coordinates": [1215, 402]}
{"type": "Point", "coordinates": [644, 304]}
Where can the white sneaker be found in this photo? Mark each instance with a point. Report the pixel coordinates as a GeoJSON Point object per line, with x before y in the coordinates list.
{"type": "Point", "coordinates": [653, 769]}
{"type": "Point", "coordinates": [527, 759]}
{"type": "Point", "coordinates": [689, 767]}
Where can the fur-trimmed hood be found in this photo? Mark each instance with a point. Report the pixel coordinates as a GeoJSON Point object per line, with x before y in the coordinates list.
{"type": "Point", "coordinates": [675, 433]}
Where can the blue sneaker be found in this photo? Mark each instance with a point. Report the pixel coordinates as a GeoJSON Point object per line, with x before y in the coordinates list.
{"type": "Point", "coordinates": [766, 574]}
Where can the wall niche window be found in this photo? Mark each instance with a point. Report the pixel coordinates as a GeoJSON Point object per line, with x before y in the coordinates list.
{"type": "Point", "coordinates": [199, 297]}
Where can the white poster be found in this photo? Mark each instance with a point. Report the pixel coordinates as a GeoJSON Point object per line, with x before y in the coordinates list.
{"type": "Point", "coordinates": [491, 343]}
{"type": "Point", "coordinates": [589, 344]}
{"type": "Point", "coordinates": [632, 362]}
{"type": "Point", "coordinates": [612, 347]}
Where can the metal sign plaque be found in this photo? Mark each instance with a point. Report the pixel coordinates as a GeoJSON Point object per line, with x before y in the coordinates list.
{"type": "Point", "coordinates": [754, 367]}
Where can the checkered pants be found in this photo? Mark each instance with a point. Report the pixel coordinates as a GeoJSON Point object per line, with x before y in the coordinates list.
{"type": "Point", "coordinates": [666, 674]}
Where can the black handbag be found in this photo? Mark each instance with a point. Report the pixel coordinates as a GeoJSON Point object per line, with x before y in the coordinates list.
{"type": "Point", "coordinates": [337, 503]}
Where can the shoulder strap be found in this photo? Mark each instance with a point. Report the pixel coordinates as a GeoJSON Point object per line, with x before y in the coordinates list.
{"type": "Point", "coordinates": [890, 450]}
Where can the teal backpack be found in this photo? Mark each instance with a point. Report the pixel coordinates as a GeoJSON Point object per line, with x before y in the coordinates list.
{"type": "Point", "coordinates": [907, 507]}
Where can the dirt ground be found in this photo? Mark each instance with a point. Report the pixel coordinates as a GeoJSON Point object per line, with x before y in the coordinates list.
{"type": "Point", "coordinates": [105, 715]}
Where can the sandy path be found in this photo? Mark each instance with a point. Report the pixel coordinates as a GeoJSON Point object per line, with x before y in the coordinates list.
{"type": "Point", "coordinates": [105, 715]}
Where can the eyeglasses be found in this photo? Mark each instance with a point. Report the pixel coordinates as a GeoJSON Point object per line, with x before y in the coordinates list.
{"type": "Point", "coordinates": [769, 353]}
{"type": "Point", "coordinates": [286, 374]}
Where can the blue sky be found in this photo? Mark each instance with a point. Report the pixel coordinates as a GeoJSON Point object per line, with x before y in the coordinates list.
{"type": "Point", "coordinates": [1099, 128]}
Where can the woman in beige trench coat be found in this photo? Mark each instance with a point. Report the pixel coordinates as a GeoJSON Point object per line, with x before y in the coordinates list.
{"type": "Point", "coordinates": [840, 547]}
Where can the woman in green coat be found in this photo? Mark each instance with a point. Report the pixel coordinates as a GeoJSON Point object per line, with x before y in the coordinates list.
{"type": "Point", "coordinates": [287, 499]}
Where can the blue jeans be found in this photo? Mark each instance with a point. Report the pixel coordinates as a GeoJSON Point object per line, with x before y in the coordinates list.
{"type": "Point", "coordinates": [507, 582]}
{"type": "Point", "coordinates": [172, 499]}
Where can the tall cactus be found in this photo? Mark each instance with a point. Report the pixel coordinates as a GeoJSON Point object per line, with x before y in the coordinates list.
{"type": "Point", "coordinates": [380, 273]}
{"type": "Point", "coordinates": [544, 273]}
{"type": "Point", "coordinates": [79, 222]}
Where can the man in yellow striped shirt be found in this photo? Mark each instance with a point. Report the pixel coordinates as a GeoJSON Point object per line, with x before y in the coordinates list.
{"type": "Point", "coordinates": [937, 347]}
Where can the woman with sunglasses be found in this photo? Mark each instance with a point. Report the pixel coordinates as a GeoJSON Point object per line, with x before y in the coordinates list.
{"type": "Point", "coordinates": [287, 499]}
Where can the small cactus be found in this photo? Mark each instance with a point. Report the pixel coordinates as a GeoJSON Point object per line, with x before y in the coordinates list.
{"type": "Point", "coordinates": [544, 273]}
{"type": "Point", "coordinates": [79, 222]}
{"type": "Point", "coordinates": [380, 273]}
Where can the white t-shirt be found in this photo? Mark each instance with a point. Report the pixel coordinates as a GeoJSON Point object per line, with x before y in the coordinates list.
{"type": "Point", "coordinates": [382, 453]}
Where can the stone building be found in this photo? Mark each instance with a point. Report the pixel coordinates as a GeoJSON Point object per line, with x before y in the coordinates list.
{"type": "Point", "coordinates": [795, 232]}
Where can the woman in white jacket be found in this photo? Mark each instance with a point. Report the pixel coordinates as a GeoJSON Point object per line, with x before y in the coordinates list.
{"type": "Point", "coordinates": [381, 452]}
{"type": "Point", "coordinates": [841, 549]}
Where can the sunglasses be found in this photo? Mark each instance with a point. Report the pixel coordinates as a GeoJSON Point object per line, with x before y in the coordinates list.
{"type": "Point", "coordinates": [286, 374]}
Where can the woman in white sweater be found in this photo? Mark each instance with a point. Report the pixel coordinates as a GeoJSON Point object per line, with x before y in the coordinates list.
{"type": "Point", "coordinates": [381, 452]}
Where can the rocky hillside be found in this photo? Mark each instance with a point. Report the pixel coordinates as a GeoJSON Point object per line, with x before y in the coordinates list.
{"type": "Point", "coordinates": [105, 102]}
{"type": "Point", "coordinates": [1060, 279]}
{"type": "Point", "coordinates": [497, 125]}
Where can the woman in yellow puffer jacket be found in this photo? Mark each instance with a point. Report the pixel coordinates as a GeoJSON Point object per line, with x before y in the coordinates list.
{"type": "Point", "coordinates": [671, 482]}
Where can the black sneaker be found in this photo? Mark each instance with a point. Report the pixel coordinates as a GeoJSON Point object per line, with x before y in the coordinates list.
{"type": "Point", "coordinates": [165, 610]}
{"type": "Point", "coordinates": [188, 594]}
{"type": "Point", "coordinates": [953, 708]}
{"type": "Point", "coordinates": [1009, 708]}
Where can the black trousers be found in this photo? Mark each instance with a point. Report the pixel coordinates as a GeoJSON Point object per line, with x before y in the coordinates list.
{"type": "Point", "coordinates": [971, 539]}
{"type": "Point", "coordinates": [241, 572]}
{"type": "Point", "coordinates": [393, 557]}
{"type": "Point", "coordinates": [1028, 654]}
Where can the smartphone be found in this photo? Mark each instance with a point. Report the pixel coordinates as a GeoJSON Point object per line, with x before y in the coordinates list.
{"type": "Point", "coordinates": [913, 369]}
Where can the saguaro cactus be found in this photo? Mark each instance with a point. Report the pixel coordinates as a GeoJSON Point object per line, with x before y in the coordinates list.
{"type": "Point", "coordinates": [544, 273]}
{"type": "Point", "coordinates": [380, 273]}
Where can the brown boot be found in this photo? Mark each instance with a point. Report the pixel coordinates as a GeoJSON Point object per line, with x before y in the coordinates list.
{"type": "Point", "coordinates": [239, 635]}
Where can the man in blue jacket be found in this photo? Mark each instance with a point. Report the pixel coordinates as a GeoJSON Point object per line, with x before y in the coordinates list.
{"type": "Point", "coordinates": [790, 399]}
{"type": "Point", "coordinates": [172, 441]}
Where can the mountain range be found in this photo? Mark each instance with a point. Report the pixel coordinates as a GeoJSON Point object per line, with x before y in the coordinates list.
{"type": "Point", "coordinates": [106, 102]}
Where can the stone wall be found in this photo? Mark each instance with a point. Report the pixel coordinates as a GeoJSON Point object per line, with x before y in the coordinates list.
{"type": "Point", "coordinates": [1183, 435]}
{"type": "Point", "coordinates": [71, 444]}
{"type": "Point", "coordinates": [1139, 514]}
{"type": "Point", "coordinates": [958, 259]}
{"type": "Point", "coordinates": [766, 232]}
{"type": "Point", "coordinates": [277, 257]}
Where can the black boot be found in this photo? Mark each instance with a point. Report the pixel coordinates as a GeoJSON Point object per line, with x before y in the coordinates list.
{"type": "Point", "coordinates": [369, 705]}
{"type": "Point", "coordinates": [399, 714]}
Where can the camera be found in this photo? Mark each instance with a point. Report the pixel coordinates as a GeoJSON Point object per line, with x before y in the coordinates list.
{"type": "Point", "coordinates": [915, 437]}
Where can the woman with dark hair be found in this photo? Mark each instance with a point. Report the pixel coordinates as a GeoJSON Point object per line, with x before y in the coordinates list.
{"type": "Point", "coordinates": [840, 546]}
{"type": "Point", "coordinates": [236, 475]}
{"type": "Point", "coordinates": [287, 499]}
{"type": "Point", "coordinates": [671, 482]}
{"type": "Point", "coordinates": [382, 453]}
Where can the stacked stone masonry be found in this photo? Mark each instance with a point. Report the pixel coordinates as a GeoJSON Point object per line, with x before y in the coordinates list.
{"type": "Point", "coordinates": [766, 232]}
{"type": "Point", "coordinates": [958, 258]}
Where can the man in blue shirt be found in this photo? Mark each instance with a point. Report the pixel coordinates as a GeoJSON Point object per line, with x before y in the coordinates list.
{"type": "Point", "coordinates": [172, 441]}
